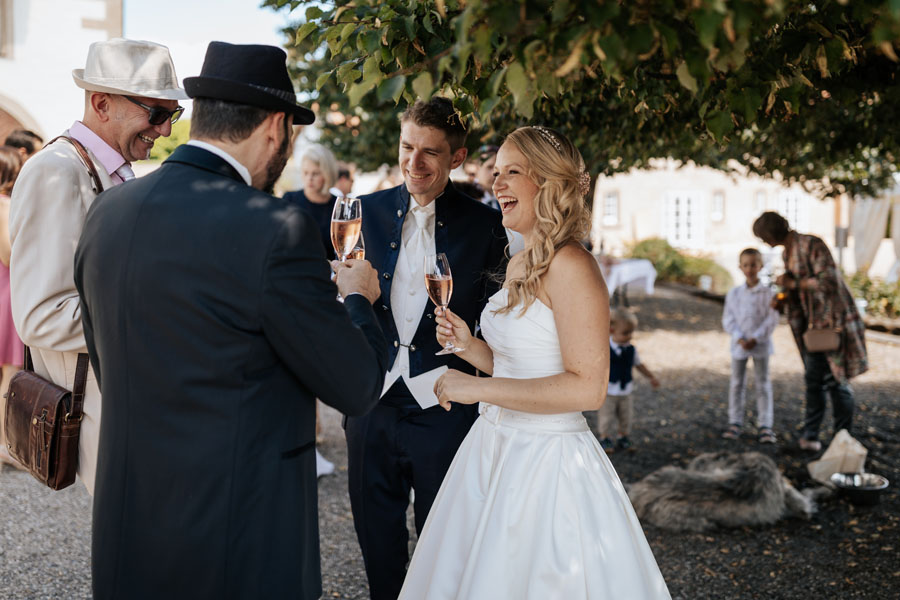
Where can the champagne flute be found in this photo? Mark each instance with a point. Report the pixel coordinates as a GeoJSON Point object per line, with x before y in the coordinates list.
{"type": "Point", "coordinates": [779, 290]}
{"type": "Point", "coordinates": [346, 223]}
{"type": "Point", "coordinates": [439, 284]}
{"type": "Point", "coordinates": [359, 249]}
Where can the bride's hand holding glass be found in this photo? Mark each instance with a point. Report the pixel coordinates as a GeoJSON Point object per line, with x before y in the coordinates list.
{"type": "Point", "coordinates": [439, 285]}
{"type": "Point", "coordinates": [451, 328]}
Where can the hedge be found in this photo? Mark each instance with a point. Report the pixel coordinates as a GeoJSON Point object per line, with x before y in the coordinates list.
{"type": "Point", "coordinates": [674, 265]}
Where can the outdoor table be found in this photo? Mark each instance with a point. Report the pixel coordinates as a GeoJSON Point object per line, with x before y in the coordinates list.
{"type": "Point", "coordinates": [620, 272]}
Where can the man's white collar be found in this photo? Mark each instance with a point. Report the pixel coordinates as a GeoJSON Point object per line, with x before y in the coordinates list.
{"type": "Point", "coordinates": [243, 171]}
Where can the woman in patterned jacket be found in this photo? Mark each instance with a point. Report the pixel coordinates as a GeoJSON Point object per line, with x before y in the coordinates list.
{"type": "Point", "coordinates": [817, 297]}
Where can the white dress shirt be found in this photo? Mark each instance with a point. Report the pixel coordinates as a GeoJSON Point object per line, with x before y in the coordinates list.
{"type": "Point", "coordinates": [748, 315]}
{"type": "Point", "coordinates": [616, 388]}
{"type": "Point", "coordinates": [409, 299]}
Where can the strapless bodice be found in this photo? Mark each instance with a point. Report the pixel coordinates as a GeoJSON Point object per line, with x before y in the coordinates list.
{"type": "Point", "coordinates": [525, 346]}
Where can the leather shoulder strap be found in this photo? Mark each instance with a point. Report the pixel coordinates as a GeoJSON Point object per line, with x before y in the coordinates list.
{"type": "Point", "coordinates": [81, 369]}
{"type": "Point", "coordinates": [85, 158]}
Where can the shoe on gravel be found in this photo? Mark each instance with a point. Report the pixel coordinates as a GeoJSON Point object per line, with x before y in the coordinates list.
{"type": "Point", "coordinates": [733, 432]}
{"type": "Point", "coordinates": [766, 436]}
{"type": "Point", "coordinates": [623, 443]}
{"type": "Point", "coordinates": [810, 445]}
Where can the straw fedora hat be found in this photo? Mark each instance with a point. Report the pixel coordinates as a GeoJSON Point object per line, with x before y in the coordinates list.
{"type": "Point", "coordinates": [248, 74]}
{"type": "Point", "coordinates": [130, 68]}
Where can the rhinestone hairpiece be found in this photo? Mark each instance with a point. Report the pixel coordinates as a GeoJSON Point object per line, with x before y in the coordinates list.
{"type": "Point", "coordinates": [548, 135]}
{"type": "Point", "coordinates": [584, 178]}
{"type": "Point", "coordinates": [584, 183]}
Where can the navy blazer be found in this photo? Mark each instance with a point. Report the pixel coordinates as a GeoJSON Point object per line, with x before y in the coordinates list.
{"type": "Point", "coordinates": [474, 240]}
{"type": "Point", "coordinates": [212, 326]}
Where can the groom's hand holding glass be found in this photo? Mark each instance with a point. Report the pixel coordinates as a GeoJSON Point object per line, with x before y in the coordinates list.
{"type": "Point", "coordinates": [356, 277]}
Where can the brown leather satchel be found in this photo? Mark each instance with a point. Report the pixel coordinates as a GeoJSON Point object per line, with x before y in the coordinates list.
{"type": "Point", "coordinates": [821, 339]}
{"type": "Point", "coordinates": [43, 421]}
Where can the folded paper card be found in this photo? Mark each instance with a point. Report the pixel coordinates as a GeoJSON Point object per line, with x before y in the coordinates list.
{"type": "Point", "coordinates": [844, 455]}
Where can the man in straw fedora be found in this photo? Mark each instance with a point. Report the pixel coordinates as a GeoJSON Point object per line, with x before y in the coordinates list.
{"type": "Point", "coordinates": [131, 98]}
{"type": "Point", "coordinates": [212, 324]}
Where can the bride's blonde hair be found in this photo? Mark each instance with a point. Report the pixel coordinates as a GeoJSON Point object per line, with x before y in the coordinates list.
{"type": "Point", "coordinates": [557, 168]}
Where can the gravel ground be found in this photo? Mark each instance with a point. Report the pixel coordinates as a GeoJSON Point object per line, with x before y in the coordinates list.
{"type": "Point", "coordinates": [844, 551]}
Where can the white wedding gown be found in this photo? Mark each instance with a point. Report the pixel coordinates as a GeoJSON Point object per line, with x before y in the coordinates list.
{"type": "Point", "coordinates": [531, 508]}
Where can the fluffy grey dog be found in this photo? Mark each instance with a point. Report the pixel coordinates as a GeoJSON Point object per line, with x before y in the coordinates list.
{"type": "Point", "coordinates": [719, 489]}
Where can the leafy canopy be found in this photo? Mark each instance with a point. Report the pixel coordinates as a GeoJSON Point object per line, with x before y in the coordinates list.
{"type": "Point", "coordinates": [804, 90]}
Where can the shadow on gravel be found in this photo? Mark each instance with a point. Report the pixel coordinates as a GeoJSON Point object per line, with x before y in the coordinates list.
{"type": "Point", "coordinates": [671, 310]}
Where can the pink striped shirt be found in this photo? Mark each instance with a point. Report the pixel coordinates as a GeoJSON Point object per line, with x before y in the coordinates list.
{"type": "Point", "coordinates": [109, 158]}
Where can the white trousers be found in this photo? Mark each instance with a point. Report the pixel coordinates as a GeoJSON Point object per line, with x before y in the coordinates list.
{"type": "Point", "coordinates": [763, 388]}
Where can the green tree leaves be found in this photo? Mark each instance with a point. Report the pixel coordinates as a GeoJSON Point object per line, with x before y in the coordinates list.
{"type": "Point", "coordinates": [776, 86]}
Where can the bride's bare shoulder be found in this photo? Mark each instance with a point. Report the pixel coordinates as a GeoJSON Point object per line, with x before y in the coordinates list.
{"type": "Point", "coordinates": [573, 260]}
{"type": "Point", "coordinates": [574, 268]}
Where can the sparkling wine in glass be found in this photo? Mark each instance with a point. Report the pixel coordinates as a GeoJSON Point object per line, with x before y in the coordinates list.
{"type": "Point", "coordinates": [346, 223]}
{"type": "Point", "coordinates": [439, 284]}
{"type": "Point", "coordinates": [359, 249]}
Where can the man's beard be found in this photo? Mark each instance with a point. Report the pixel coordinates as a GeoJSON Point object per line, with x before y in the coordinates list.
{"type": "Point", "coordinates": [276, 164]}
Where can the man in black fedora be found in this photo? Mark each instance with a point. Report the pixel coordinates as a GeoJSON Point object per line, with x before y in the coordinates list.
{"type": "Point", "coordinates": [212, 326]}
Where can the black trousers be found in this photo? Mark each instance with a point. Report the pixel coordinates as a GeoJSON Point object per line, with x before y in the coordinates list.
{"type": "Point", "coordinates": [820, 382]}
{"type": "Point", "coordinates": [395, 447]}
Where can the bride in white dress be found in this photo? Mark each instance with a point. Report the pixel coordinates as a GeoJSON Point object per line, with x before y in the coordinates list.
{"type": "Point", "coordinates": [531, 507]}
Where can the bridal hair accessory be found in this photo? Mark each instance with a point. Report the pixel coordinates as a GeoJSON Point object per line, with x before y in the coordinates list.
{"type": "Point", "coordinates": [548, 135]}
{"type": "Point", "coordinates": [584, 183]}
{"type": "Point", "coordinates": [584, 178]}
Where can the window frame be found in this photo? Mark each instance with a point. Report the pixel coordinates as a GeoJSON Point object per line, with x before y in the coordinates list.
{"type": "Point", "coordinates": [684, 218]}
{"type": "Point", "coordinates": [610, 220]}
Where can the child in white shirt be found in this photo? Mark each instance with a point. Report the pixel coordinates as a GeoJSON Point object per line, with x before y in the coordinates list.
{"type": "Point", "coordinates": [750, 320]}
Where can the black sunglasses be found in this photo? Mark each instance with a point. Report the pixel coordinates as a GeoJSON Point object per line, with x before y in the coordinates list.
{"type": "Point", "coordinates": [158, 114]}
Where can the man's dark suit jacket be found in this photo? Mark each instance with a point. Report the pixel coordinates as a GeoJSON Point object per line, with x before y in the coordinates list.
{"type": "Point", "coordinates": [472, 236]}
{"type": "Point", "coordinates": [212, 327]}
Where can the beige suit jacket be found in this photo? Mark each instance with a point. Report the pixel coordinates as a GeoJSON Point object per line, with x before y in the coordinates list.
{"type": "Point", "coordinates": [49, 203]}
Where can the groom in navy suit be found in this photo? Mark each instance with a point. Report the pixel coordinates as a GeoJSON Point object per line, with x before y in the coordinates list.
{"type": "Point", "coordinates": [408, 441]}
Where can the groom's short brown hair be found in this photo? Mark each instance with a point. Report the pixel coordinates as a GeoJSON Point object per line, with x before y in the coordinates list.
{"type": "Point", "coordinates": [438, 113]}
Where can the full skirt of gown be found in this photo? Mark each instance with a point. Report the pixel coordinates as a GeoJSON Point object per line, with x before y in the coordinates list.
{"type": "Point", "coordinates": [532, 509]}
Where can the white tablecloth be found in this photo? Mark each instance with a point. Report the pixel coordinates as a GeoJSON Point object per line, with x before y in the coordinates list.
{"type": "Point", "coordinates": [629, 270]}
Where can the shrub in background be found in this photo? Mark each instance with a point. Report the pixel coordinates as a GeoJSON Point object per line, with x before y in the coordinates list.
{"type": "Point", "coordinates": [165, 146]}
{"type": "Point", "coordinates": [673, 265]}
{"type": "Point", "coordinates": [883, 298]}
{"type": "Point", "coordinates": [667, 261]}
{"type": "Point", "coordinates": [695, 266]}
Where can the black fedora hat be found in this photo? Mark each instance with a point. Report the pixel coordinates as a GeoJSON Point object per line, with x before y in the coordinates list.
{"type": "Point", "coordinates": [248, 74]}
